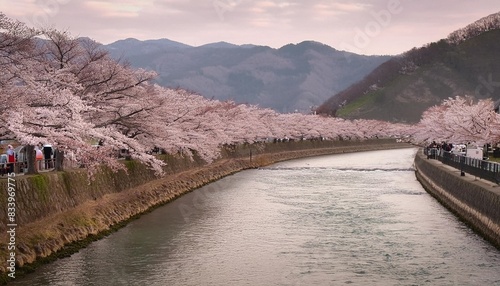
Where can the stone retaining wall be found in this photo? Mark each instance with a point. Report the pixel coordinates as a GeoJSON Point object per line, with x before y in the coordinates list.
{"type": "Point", "coordinates": [475, 201]}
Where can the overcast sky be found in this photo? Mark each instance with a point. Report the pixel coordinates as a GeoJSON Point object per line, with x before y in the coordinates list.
{"type": "Point", "coordinates": [360, 26]}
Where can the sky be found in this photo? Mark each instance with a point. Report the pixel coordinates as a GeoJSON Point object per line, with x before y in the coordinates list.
{"type": "Point", "coordinates": [370, 27]}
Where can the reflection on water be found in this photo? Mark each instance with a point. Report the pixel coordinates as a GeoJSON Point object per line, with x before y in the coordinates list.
{"type": "Point", "coordinates": [359, 219]}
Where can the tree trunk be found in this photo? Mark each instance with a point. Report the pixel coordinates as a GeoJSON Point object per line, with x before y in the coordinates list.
{"type": "Point", "coordinates": [31, 159]}
{"type": "Point", "coordinates": [59, 160]}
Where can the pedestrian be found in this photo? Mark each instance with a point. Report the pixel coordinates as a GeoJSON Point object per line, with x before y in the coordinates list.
{"type": "Point", "coordinates": [38, 157]}
{"type": "Point", "coordinates": [3, 164]}
{"type": "Point", "coordinates": [47, 154]}
{"type": "Point", "coordinates": [11, 158]}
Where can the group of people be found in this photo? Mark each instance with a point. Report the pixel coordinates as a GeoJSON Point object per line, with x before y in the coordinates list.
{"type": "Point", "coordinates": [43, 159]}
{"type": "Point", "coordinates": [44, 156]}
{"type": "Point", "coordinates": [448, 147]}
{"type": "Point", "coordinates": [468, 150]}
{"type": "Point", "coordinates": [434, 149]}
{"type": "Point", "coordinates": [7, 160]}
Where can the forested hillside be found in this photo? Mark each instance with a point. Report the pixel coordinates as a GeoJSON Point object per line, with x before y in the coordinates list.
{"type": "Point", "coordinates": [467, 62]}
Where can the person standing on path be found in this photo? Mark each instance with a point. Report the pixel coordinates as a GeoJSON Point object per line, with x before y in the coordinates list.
{"type": "Point", "coordinates": [11, 158]}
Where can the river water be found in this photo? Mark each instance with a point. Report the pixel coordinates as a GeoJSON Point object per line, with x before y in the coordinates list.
{"type": "Point", "coordinates": [359, 218]}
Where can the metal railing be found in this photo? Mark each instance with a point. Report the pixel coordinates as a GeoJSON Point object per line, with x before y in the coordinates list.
{"type": "Point", "coordinates": [479, 168]}
{"type": "Point", "coordinates": [22, 167]}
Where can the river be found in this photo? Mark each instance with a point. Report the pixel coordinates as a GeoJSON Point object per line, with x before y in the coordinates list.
{"type": "Point", "coordinates": [358, 218]}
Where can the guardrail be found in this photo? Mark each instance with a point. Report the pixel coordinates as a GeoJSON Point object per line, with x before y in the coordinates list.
{"type": "Point", "coordinates": [479, 168]}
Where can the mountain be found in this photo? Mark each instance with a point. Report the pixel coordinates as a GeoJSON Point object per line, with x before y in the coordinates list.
{"type": "Point", "coordinates": [220, 45]}
{"type": "Point", "coordinates": [467, 62]}
{"type": "Point", "coordinates": [295, 77]}
{"type": "Point", "coordinates": [132, 47]}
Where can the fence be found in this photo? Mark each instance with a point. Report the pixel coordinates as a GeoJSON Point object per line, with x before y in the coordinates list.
{"type": "Point", "coordinates": [22, 167]}
{"type": "Point", "coordinates": [40, 165]}
{"type": "Point", "coordinates": [479, 168]}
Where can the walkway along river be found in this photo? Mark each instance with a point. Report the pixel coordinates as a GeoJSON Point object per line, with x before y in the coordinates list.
{"type": "Point", "coordinates": [359, 218]}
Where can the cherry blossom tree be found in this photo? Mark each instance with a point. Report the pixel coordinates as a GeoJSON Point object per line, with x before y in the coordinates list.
{"type": "Point", "coordinates": [16, 48]}
{"type": "Point", "coordinates": [53, 98]}
{"type": "Point", "coordinates": [459, 120]}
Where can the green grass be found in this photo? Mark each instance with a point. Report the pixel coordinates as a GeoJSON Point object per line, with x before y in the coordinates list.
{"type": "Point", "coordinates": [493, 159]}
{"type": "Point", "coordinates": [41, 185]}
{"type": "Point", "coordinates": [361, 102]}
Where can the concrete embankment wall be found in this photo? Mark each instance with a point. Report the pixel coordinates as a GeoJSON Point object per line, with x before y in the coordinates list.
{"type": "Point", "coordinates": [475, 201]}
{"type": "Point", "coordinates": [56, 209]}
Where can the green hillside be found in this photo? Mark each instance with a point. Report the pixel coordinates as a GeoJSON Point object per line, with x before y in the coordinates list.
{"type": "Point", "coordinates": [466, 63]}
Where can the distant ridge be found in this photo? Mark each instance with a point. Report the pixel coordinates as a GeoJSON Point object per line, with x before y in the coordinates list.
{"type": "Point", "coordinates": [467, 62]}
{"type": "Point", "coordinates": [219, 45]}
{"type": "Point", "coordinates": [295, 77]}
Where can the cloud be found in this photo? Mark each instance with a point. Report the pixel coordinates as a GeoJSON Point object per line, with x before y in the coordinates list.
{"type": "Point", "coordinates": [116, 8]}
{"type": "Point", "coordinates": [19, 10]}
{"type": "Point", "coordinates": [345, 8]}
{"type": "Point", "coordinates": [265, 22]}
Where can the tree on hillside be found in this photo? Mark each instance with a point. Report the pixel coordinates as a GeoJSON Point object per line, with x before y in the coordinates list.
{"type": "Point", "coordinates": [482, 25]}
{"type": "Point", "coordinates": [379, 77]}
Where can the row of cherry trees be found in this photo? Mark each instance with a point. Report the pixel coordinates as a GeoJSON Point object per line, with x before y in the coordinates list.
{"type": "Point", "coordinates": [459, 120]}
{"type": "Point", "coordinates": [69, 92]}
